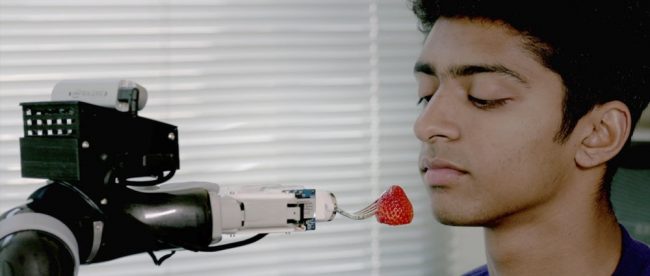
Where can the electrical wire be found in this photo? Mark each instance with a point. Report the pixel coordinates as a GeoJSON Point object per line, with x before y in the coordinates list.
{"type": "Point", "coordinates": [234, 244]}
{"type": "Point", "coordinates": [208, 249]}
{"type": "Point", "coordinates": [161, 179]}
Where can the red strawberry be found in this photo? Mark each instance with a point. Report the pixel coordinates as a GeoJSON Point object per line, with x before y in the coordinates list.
{"type": "Point", "coordinates": [393, 207]}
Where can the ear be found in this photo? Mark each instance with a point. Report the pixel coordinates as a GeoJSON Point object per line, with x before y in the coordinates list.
{"type": "Point", "coordinates": [604, 130]}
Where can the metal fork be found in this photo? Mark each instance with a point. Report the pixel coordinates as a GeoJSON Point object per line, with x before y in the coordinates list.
{"type": "Point", "coordinates": [364, 213]}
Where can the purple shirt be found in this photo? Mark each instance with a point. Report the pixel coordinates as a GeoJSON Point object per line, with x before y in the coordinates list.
{"type": "Point", "coordinates": [635, 259]}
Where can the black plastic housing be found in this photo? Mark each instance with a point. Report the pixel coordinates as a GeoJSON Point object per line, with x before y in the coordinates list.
{"type": "Point", "coordinates": [81, 143]}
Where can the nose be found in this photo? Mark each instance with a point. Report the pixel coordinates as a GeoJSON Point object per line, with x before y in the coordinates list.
{"type": "Point", "coordinates": [439, 119]}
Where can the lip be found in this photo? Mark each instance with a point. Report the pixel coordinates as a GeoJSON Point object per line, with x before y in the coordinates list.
{"type": "Point", "coordinates": [439, 172]}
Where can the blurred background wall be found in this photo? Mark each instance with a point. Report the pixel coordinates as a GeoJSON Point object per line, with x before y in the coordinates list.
{"type": "Point", "coordinates": [274, 92]}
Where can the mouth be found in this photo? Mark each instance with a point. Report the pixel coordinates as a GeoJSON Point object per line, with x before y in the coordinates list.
{"type": "Point", "coordinates": [428, 163]}
{"type": "Point", "coordinates": [439, 172]}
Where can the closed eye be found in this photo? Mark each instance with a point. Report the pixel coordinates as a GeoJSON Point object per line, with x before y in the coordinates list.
{"type": "Point", "coordinates": [486, 104]}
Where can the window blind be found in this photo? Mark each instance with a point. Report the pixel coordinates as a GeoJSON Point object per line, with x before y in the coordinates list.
{"type": "Point", "coordinates": [264, 92]}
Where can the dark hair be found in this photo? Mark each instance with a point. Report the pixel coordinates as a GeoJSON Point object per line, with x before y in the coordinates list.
{"type": "Point", "coordinates": [597, 47]}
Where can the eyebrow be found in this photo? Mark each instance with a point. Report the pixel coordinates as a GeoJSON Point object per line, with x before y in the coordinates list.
{"type": "Point", "coordinates": [425, 68]}
{"type": "Point", "coordinates": [468, 70]}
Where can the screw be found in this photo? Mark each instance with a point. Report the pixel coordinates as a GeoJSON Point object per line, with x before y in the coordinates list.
{"type": "Point", "coordinates": [85, 144]}
{"type": "Point", "coordinates": [104, 201]}
{"type": "Point", "coordinates": [171, 136]}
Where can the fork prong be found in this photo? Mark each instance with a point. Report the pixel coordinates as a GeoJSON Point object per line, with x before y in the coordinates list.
{"type": "Point", "coordinates": [371, 206]}
{"type": "Point", "coordinates": [369, 209]}
{"type": "Point", "coordinates": [364, 213]}
{"type": "Point", "coordinates": [356, 216]}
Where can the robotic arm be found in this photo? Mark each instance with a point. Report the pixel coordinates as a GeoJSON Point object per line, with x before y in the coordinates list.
{"type": "Point", "coordinates": [92, 210]}
{"type": "Point", "coordinates": [193, 216]}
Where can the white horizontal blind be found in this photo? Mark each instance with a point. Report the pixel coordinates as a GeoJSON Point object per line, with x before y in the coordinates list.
{"type": "Point", "coordinates": [290, 92]}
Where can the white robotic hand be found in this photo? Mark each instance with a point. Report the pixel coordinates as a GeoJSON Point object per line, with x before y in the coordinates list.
{"type": "Point", "coordinates": [274, 209]}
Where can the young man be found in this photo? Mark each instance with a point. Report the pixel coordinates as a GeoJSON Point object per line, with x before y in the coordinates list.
{"type": "Point", "coordinates": [525, 108]}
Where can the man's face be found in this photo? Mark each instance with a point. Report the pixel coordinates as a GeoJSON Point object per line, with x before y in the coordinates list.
{"type": "Point", "coordinates": [489, 114]}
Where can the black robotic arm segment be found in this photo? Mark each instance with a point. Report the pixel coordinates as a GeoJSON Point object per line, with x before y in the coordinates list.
{"type": "Point", "coordinates": [139, 222]}
{"type": "Point", "coordinates": [128, 222]}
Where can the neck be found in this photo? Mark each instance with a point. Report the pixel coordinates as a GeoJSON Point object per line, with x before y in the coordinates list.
{"type": "Point", "coordinates": [566, 237]}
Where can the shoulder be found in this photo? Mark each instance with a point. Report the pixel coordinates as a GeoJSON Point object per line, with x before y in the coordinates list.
{"type": "Point", "coordinates": [635, 258]}
{"type": "Point", "coordinates": [479, 271]}
{"type": "Point", "coordinates": [641, 253]}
